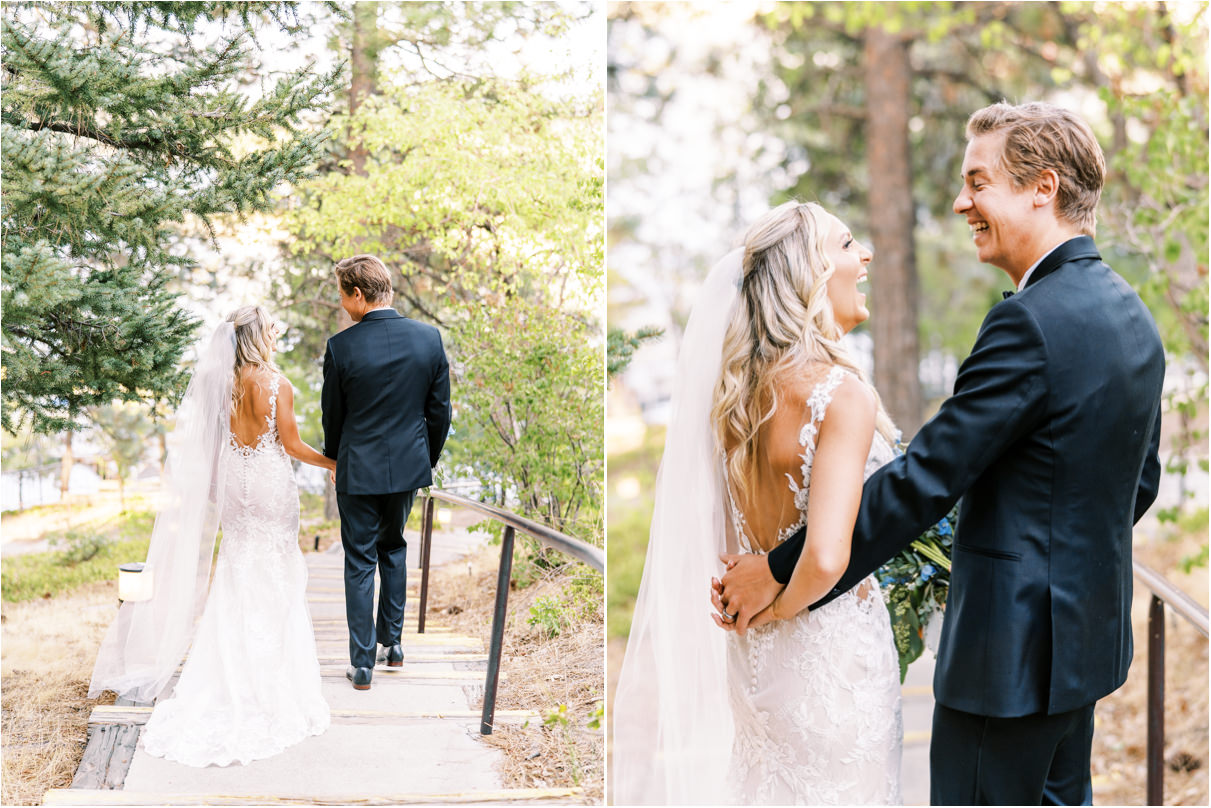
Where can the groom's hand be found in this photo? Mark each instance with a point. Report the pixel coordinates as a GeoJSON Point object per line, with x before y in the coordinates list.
{"type": "Point", "coordinates": [747, 588]}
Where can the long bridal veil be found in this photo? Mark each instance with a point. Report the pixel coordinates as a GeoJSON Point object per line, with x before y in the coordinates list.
{"type": "Point", "coordinates": [148, 640]}
{"type": "Point", "coordinates": [672, 720]}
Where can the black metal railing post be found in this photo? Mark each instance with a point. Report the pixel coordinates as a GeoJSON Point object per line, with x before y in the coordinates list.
{"type": "Point", "coordinates": [548, 537]}
{"type": "Point", "coordinates": [498, 631]}
{"type": "Point", "coordinates": [1156, 702]}
{"type": "Point", "coordinates": [426, 542]}
{"type": "Point", "coordinates": [1163, 594]}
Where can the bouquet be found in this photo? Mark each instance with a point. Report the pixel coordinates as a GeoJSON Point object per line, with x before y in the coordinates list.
{"type": "Point", "coordinates": [915, 584]}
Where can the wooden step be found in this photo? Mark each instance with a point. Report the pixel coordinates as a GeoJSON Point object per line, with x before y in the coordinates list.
{"type": "Point", "coordinates": [341, 623]}
{"type": "Point", "coordinates": [109, 714]}
{"type": "Point", "coordinates": [410, 640]}
{"type": "Point", "coordinates": [454, 677]}
{"type": "Point", "coordinates": [448, 656]}
{"type": "Point", "coordinates": [87, 796]}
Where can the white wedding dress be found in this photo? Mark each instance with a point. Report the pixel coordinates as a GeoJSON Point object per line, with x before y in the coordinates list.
{"type": "Point", "coordinates": [805, 710]}
{"type": "Point", "coordinates": [816, 699]}
{"type": "Point", "coordinates": [250, 686]}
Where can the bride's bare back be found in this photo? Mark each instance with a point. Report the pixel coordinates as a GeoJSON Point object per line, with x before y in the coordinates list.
{"type": "Point", "coordinates": [767, 504]}
{"type": "Point", "coordinates": [249, 417]}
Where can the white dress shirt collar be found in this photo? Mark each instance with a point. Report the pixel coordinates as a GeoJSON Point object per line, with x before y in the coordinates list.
{"type": "Point", "coordinates": [1029, 272]}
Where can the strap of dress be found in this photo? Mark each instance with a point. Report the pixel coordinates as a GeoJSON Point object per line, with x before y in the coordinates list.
{"type": "Point", "coordinates": [273, 401]}
{"type": "Point", "coordinates": [822, 394]}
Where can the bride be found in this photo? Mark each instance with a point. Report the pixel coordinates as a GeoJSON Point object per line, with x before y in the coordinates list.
{"type": "Point", "coordinates": [251, 684]}
{"type": "Point", "coordinates": [773, 427]}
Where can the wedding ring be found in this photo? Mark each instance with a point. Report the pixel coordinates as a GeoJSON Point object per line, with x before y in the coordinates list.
{"type": "Point", "coordinates": [728, 618]}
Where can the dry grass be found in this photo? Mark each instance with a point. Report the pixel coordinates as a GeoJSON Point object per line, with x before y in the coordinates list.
{"type": "Point", "coordinates": [49, 647]}
{"type": "Point", "coordinates": [542, 673]}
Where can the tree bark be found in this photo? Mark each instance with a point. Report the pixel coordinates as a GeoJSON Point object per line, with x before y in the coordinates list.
{"type": "Point", "coordinates": [65, 467]}
{"type": "Point", "coordinates": [362, 84]}
{"type": "Point", "coordinates": [363, 65]}
{"type": "Point", "coordinates": [893, 273]}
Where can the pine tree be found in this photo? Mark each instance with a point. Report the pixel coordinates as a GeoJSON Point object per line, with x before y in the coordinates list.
{"type": "Point", "coordinates": [119, 121]}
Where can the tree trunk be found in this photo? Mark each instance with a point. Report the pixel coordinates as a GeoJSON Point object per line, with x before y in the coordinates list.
{"type": "Point", "coordinates": [363, 66]}
{"type": "Point", "coordinates": [893, 273]}
{"type": "Point", "coordinates": [362, 84]}
{"type": "Point", "coordinates": [163, 451]}
{"type": "Point", "coordinates": [65, 467]}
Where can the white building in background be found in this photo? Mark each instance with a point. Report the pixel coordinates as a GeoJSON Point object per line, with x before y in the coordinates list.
{"type": "Point", "coordinates": [25, 489]}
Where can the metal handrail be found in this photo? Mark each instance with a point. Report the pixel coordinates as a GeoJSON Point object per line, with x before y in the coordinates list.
{"type": "Point", "coordinates": [1163, 593]}
{"type": "Point", "coordinates": [579, 550]}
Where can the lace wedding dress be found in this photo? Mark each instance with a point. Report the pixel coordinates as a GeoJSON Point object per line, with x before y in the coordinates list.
{"type": "Point", "coordinates": [251, 684]}
{"type": "Point", "coordinates": [816, 698]}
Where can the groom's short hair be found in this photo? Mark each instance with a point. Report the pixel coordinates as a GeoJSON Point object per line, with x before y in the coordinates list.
{"type": "Point", "coordinates": [1041, 136]}
{"type": "Point", "coordinates": [368, 273]}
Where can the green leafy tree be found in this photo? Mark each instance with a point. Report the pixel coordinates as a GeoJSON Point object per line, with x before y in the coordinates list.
{"type": "Point", "coordinates": [120, 121]}
{"type": "Point", "coordinates": [528, 412]}
{"type": "Point", "coordinates": [485, 198]}
{"type": "Point", "coordinates": [124, 429]}
{"type": "Point", "coordinates": [471, 189]}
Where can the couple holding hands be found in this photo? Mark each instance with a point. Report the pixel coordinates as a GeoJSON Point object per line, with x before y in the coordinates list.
{"type": "Point", "coordinates": [251, 685]}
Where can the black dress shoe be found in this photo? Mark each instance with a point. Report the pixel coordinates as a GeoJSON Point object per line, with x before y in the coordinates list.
{"type": "Point", "coordinates": [394, 655]}
{"type": "Point", "coordinates": [359, 676]}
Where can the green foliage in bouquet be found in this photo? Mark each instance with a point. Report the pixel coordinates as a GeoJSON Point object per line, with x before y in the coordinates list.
{"type": "Point", "coordinates": [915, 584]}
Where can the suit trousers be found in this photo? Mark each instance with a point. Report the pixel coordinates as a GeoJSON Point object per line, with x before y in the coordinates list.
{"type": "Point", "coordinates": [372, 533]}
{"type": "Point", "coordinates": [1036, 759]}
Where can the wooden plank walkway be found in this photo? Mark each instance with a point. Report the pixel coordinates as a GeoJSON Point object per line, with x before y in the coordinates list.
{"type": "Point", "coordinates": [413, 738]}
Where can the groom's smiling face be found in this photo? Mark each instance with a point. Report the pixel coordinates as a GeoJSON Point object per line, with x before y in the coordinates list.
{"type": "Point", "coordinates": [1001, 217]}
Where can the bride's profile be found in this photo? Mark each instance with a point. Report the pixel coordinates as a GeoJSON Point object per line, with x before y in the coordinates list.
{"type": "Point", "coordinates": [251, 684]}
{"type": "Point", "coordinates": [773, 427]}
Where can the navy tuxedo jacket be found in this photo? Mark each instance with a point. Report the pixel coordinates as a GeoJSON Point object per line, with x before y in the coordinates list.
{"type": "Point", "coordinates": [386, 402]}
{"type": "Point", "coordinates": [1051, 440]}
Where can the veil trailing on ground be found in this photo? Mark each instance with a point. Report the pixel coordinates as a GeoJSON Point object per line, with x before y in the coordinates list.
{"type": "Point", "coordinates": [672, 721]}
{"type": "Point", "coordinates": [148, 640]}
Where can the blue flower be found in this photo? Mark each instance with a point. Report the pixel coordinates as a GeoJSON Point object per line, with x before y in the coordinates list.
{"type": "Point", "coordinates": [928, 571]}
{"type": "Point", "coordinates": [944, 528]}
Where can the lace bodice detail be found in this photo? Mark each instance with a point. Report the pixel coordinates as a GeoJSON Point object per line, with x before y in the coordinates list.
{"type": "Point", "coordinates": [817, 697]}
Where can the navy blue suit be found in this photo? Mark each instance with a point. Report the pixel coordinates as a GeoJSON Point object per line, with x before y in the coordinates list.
{"type": "Point", "coordinates": [386, 413]}
{"type": "Point", "coordinates": [1050, 439]}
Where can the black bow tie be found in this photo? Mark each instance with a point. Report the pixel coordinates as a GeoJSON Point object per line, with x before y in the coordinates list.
{"type": "Point", "coordinates": [1006, 295]}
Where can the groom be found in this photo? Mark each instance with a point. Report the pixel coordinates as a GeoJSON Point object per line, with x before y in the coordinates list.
{"type": "Point", "coordinates": [386, 402]}
{"type": "Point", "coordinates": [1051, 440]}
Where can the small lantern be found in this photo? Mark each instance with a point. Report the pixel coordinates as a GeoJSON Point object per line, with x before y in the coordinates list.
{"type": "Point", "coordinates": [134, 584]}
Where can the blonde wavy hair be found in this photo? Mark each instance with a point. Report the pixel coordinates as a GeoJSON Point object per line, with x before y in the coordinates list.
{"type": "Point", "coordinates": [782, 319]}
{"type": "Point", "coordinates": [255, 333]}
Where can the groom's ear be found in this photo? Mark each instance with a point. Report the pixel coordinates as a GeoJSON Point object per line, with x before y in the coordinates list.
{"type": "Point", "coordinates": [1046, 187]}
